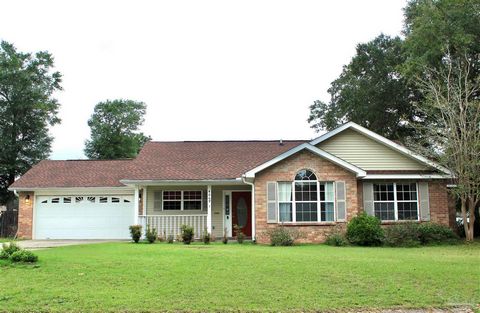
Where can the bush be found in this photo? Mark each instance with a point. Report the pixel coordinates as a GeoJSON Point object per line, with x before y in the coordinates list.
{"type": "Point", "coordinates": [24, 256]}
{"type": "Point", "coordinates": [336, 239]}
{"type": "Point", "coordinates": [170, 239]}
{"type": "Point", "coordinates": [136, 232]}
{"type": "Point", "coordinates": [240, 235]}
{"type": "Point", "coordinates": [431, 233]}
{"type": "Point", "coordinates": [206, 237]}
{"type": "Point", "coordinates": [402, 235]}
{"type": "Point", "coordinates": [4, 255]}
{"type": "Point", "coordinates": [282, 236]}
{"type": "Point", "coordinates": [365, 230]}
{"type": "Point", "coordinates": [10, 248]}
{"type": "Point", "coordinates": [187, 234]}
{"type": "Point", "coordinates": [225, 236]}
{"type": "Point", "coordinates": [151, 234]}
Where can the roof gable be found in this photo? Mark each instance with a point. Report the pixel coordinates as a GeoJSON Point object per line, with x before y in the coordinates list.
{"type": "Point", "coordinates": [306, 146]}
{"type": "Point", "coordinates": [371, 151]}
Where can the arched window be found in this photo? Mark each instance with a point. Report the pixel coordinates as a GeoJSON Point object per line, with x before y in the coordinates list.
{"type": "Point", "coordinates": [306, 199]}
{"type": "Point", "coordinates": [306, 196]}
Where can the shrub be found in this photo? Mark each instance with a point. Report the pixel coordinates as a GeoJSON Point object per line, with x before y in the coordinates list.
{"type": "Point", "coordinates": [282, 236]}
{"type": "Point", "coordinates": [336, 239]}
{"type": "Point", "coordinates": [151, 234]}
{"type": "Point", "coordinates": [402, 235]}
{"type": "Point", "coordinates": [187, 234]}
{"type": "Point", "coordinates": [10, 248]}
{"type": "Point", "coordinates": [24, 256]}
{"type": "Point", "coordinates": [170, 239]}
{"type": "Point", "coordinates": [206, 237]}
{"type": "Point", "coordinates": [136, 232]}
{"type": "Point", "coordinates": [162, 238]}
{"type": "Point", "coordinates": [4, 255]}
{"type": "Point", "coordinates": [365, 230]}
{"type": "Point", "coordinates": [240, 235]}
{"type": "Point", "coordinates": [431, 233]}
{"type": "Point", "coordinates": [225, 236]}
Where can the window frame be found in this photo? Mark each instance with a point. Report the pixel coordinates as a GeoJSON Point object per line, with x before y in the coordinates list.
{"type": "Point", "coordinates": [396, 201]}
{"type": "Point", "coordinates": [182, 200]}
{"type": "Point", "coordinates": [318, 201]}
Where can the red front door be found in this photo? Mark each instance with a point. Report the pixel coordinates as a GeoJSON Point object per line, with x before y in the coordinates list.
{"type": "Point", "coordinates": [242, 212]}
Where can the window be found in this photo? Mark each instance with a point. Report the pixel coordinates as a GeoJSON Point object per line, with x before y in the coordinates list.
{"type": "Point", "coordinates": [172, 200]}
{"type": "Point", "coordinates": [306, 199]}
{"type": "Point", "coordinates": [115, 200]}
{"type": "Point", "coordinates": [327, 202]}
{"type": "Point", "coordinates": [192, 200]}
{"type": "Point", "coordinates": [103, 199]}
{"type": "Point", "coordinates": [285, 201]}
{"type": "Point", "coordinates": [395, 201]}
{"type": "Point", "coordinates": [67, 199]}
{"type": "Point", "coordinates": [182, 200]}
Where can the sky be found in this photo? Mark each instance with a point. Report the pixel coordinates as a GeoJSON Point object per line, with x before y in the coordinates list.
{"type": "Point", "coordinates": [207, 70]}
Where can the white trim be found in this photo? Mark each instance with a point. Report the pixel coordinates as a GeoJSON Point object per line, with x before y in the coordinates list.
{"type": "Point", "coordinates": [382, 140]}
{"type": "Point", "coordinates": [136, 205]}
{"type": "Point", "coordinates": [209, 208]}
{"type": "Point", "coordinates": [34, 216]}
{"type": "Point", "coordinates": [225, 222]}
{"type": "Point", "coordinates": [313, 149]}
{"type": "Point", "coordinates": [144, 199]}
{"type": "Point", "coordinates": [213, 182]}
{"type": "Point", "coordinates": [406, 176]}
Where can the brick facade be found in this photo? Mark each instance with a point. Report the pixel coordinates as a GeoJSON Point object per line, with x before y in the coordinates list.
{"type": "Point", "coordinates": [285, 171]}
{"type": "Point", "coordinates": [440, 205]}
{"type": "Point", "coordinates": [25, 215]}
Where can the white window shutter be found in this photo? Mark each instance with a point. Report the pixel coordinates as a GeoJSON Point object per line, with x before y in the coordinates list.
{"type": "Point", "coordinates": [423, 201]}
{"type": "Point", "coordinates": [157, 200]}
{"type": "Point", "coordinates": [368, 199]}
{"type": "Point", "coordinates": [341, 201]}
{"type": "Point", "coordinates": [272, 202]}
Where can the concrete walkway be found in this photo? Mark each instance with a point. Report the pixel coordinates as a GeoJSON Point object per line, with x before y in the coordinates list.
{"type": "Point", "coordinates": [44, 244]}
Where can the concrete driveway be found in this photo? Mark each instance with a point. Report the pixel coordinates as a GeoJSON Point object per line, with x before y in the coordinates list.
{"type": "Point", "coordinates": [44, 244]}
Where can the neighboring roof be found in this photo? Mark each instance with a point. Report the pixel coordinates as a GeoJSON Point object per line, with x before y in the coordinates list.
{"type": "Point", "coordinates": [306, 146]}
{"type": "Point", "coordinates": [389, 143]}
{"type": "Point", "coordinates": [74, 173]}
{"type": "Point", "coordinates": [204, 160]}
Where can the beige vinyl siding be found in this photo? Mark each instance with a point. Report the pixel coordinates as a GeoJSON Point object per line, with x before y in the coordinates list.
{"type": "Point", "coordinates": [368, 154]}
{"type": "Point", "coordinates": [217, 203]}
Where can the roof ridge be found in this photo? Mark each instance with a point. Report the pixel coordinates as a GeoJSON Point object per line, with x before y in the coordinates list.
{"type": "Point", "coordinates": [203, 141]}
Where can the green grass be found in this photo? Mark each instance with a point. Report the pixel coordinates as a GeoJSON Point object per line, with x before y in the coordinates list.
{"type": "Point", "coordinates": [129, 277]}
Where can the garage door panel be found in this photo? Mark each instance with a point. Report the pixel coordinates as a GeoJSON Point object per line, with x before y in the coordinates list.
{"type": "Point", "coordinates": [84, 220]}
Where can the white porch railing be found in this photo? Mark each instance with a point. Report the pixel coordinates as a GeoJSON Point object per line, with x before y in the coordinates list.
{"type": "Point", "coordinates": [170, 224]}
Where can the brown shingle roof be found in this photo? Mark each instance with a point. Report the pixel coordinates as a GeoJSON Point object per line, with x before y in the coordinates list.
{"type": "Point", "coordinates": [74, 173]}
{"type": "Point", "coordinates": [188, 160]}
{"type": "Point", "coordinates": [195, 160]}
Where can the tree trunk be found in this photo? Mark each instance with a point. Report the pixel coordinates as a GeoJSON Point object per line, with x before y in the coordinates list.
{"type": "Point", "coordinates": [464, 217]}
{"type": "Point", "coordinates": [471, 222]}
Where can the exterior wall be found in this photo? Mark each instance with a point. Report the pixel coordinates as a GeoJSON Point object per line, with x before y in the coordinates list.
{"type": "Point", "coordinates": [285, 171]}
{"type": "Point", "coordinates": [217, 203]}
{"type": "Point", "coordinates": [439, 203]}
{"type": "Point", "coordinates": [25, 215]}
{"type": "Point", "coordinates": [366, 153]}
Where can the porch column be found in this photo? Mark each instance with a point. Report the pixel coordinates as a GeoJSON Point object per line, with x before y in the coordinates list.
{"type": "Point", "coordinates": [136, 201]}
{"type": "Point", "coordinates": [209, 209]}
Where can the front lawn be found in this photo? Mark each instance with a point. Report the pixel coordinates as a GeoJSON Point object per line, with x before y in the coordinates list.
{"type": "Point", "coordinates": [141, 277]}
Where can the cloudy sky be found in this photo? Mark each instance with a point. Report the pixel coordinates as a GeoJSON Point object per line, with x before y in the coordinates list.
{"type": "Point", "coordinates": [207, 70]}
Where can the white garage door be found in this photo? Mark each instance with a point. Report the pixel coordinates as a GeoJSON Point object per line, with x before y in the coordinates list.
{"type": "Point", "coordinates": [83, 217]}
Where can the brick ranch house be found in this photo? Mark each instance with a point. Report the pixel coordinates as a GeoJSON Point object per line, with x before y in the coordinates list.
{"type": "Point", "coordinates": [312, 186]}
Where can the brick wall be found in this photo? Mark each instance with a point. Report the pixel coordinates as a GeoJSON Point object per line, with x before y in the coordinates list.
{"type": "Point", "coordinates": [439, 203]}
{"type": "Point", "coordinates": [285, 171]}
{"type": "Point", "coordinates": [25, 215]}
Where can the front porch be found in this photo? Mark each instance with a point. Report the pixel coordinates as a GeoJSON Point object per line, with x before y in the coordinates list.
{"type": "Point", "coordinates": [212, 208]}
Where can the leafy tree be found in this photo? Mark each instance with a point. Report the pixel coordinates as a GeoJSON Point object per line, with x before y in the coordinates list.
{"type": "Point", "coordinates": [371, 92]}
{"type": "Point", "coordinates": [435, 29]}
{"type": "Point", "coordinates": [27, 109]}
{"type": "Point", "coordinates": [114, 130]}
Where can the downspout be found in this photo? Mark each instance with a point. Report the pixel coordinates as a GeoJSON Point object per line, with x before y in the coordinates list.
{"type": "Point", "coordinates": [244, 180]}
